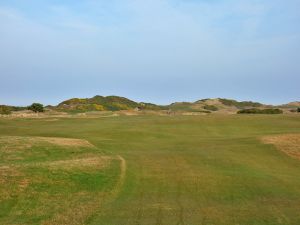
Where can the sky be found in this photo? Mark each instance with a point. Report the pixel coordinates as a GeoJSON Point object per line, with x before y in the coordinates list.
{"type": "Point", "coordinates": [158, 51]}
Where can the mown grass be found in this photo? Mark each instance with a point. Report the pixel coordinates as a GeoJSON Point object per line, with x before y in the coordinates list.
{"type": "Point", "coordinates": [206, 170]}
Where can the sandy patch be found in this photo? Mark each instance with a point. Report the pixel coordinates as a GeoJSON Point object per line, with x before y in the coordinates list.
{"type": "Point", "coordinates": [287, 143]}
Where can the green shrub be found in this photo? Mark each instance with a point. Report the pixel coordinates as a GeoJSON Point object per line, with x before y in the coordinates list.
{"type": "Point", "coordinates": [150, 106]}
{"type": "Point", "coordinates": [36, 107]}
{"type": "Point", "coordinates": [211, 108]}
{"type": "Point", "coordinates": [5, 110]}
{"type": "Point", "coordinates": [181, 106]}
{"type": "Point", "coordinates": [230, 102]}
{"type": "Point", "coordinates": [99, 103]}
{"type": "Point", "coordinates": [260, 111]}
{"type": "Point", "coordinates": [298, 110]}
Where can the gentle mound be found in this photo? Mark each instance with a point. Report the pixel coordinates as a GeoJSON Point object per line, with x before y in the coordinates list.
{"type": "Point", "coordinates": [55, 180]}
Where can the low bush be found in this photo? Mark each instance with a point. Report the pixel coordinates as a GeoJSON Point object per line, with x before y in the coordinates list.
{"type": "Point", "coordinates": [36, 107]}
{"type": "Point", "coordinates": [230, 102]}
{"type": "Point", "coordinates": [5, 110]}
{"type": "Point", "coordinates": [260, 111]}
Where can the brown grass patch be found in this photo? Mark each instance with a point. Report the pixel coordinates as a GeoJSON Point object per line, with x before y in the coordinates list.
{"type": "Point", "coordinates": [18, 143]}
{"type": "Point", "coordinates": [11, 143]}
{"type": "Point", "coordinates": [7, 172]}
{"type": "Point", "coordinates": [76, 214]}
{"type": "Point", "coordinates": [23, 183]}
{"type": "Point", "coordinates": [287, 143]}
{"type": "Point", "coordinates": [15, 148]}
{"type": "Point", "coordinates": [11, 182]}
{"type": "Point", "coordinates": [69, 142]}
{"type": "Point", "coordinates": [94, 162]}
{"type": "Point", "coordinates": [163, 206]}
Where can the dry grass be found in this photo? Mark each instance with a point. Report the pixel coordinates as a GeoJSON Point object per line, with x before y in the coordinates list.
{"type": "Point", "coordinates": [76, 214]}
{"type": "Point", "coordinates": [287, 143]}
{"type": "Point", "coordinates": [16, 142]}
{"type": "Point", "coordinates": [13, 143]}
{"type": "Point", "coordinates": [24, 183]}
{"type": "Point", "coordinates": [91, 162]}
{"type": "Point", "coordinates": [69, 142]}
{"type": "Point", "coordinates": [11, 180]}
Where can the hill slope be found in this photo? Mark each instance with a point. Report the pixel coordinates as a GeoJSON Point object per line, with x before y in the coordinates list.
{"type": "Point", "coordinates": [214, 105]}
{"type": "Point", "coordinates": [117, 103]}
{"type": "Point", "coordinates": [101, 103]}
{"type": "Point", "coordinates": [291, 105]}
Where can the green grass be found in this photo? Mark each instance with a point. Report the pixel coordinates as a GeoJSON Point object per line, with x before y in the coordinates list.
{"type": "Point", "coordinates": [204, 170]}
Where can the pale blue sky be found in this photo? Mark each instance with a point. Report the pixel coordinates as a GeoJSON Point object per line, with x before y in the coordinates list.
{"type": "Point", "coordinates": [158, 51]}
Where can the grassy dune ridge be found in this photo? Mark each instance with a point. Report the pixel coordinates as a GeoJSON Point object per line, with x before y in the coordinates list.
{"type": "Point", "coordinates": [189, 170]}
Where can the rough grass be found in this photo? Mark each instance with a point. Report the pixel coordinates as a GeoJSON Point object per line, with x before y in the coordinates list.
{"type": "Point", "coordinates": [37, 188]}
{"type": "Point", "coordinates": [211, 170]}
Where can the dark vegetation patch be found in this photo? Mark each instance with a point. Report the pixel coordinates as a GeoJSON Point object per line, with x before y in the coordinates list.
{"type": "Point", "coordinates": [260, 111]}
{"type": "Point", "coordinates": [295, 110]}
{"type": "Point", "coordinates": [36, 107]}
{"type": "Point", "coordinates": [101, 103]}
{"type": "Point", "coordinates": [181, 106]}
{"type": "Point", "coordinates": [211, 107]}
{"type": "Point", "coordinates": [150, 106]}
{"type": "Point", "coordinates": [230, 102]}
{"type": "Point", "coordinates": [186, 107]}
{"type": "Point", "coordinates": [6, 109]}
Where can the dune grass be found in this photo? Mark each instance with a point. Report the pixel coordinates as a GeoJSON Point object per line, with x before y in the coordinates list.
{"type": "Point", "coordinates": [204, 170]}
